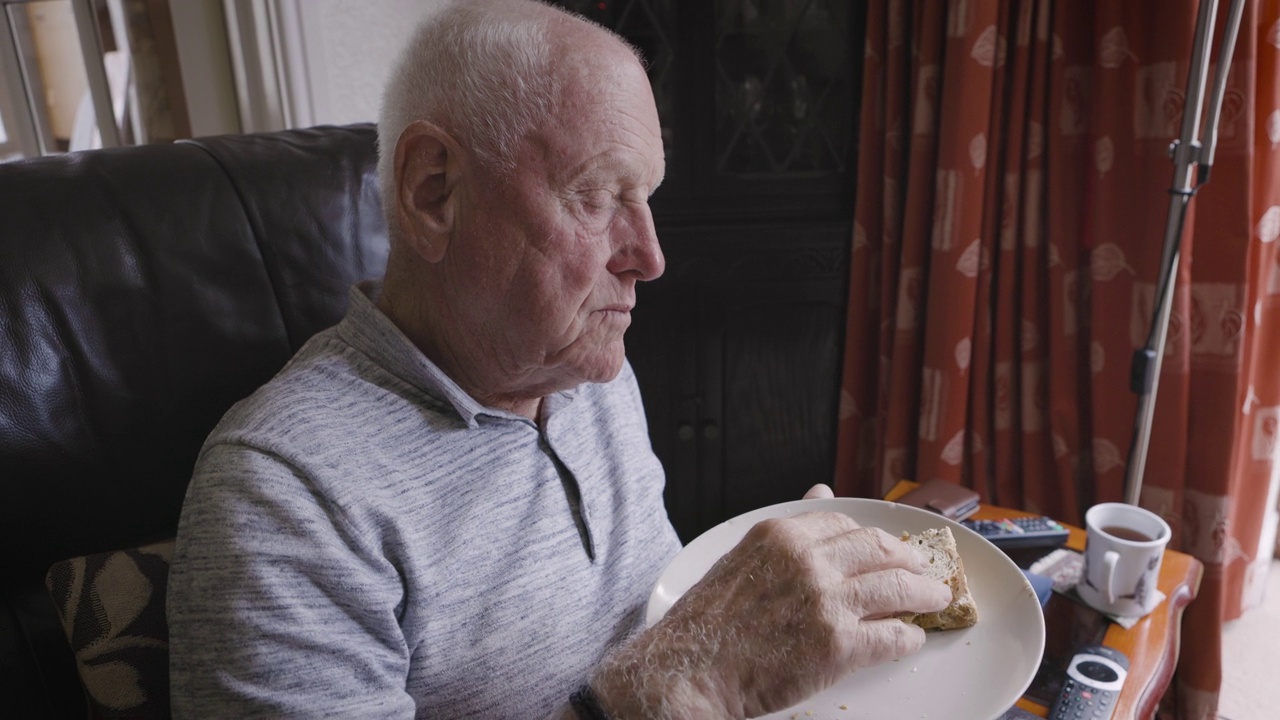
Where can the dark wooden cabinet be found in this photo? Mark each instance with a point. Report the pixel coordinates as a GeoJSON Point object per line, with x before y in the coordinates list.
{"type": "Point", "coordinates": [737, 347]}
{"type": "Point", "coordinates": [737, 350]}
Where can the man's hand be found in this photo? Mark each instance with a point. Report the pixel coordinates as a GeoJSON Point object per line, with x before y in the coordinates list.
{"type": "Point", "coordinates": [819, 492]}
{"type": "Point", "coordinates": [795, 606]}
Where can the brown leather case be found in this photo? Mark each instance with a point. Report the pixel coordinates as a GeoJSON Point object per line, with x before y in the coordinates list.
{"type": "Point", "coordinates": [946, 498]}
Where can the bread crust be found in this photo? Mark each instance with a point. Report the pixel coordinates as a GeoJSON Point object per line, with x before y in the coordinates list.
{"type": "Point", "coordinates": [945, 564]}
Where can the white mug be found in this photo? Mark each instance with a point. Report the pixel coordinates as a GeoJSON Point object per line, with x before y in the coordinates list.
{"type": "Point", "coordinates": [1123, 549]}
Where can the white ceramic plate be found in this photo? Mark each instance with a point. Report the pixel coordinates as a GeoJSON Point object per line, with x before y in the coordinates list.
{"type": "Point", "coordinates": [972, 674]}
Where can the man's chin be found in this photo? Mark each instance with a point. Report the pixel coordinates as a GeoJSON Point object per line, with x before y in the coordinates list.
{"type": "Point", "coordinates": [605, 372]}
{"type": "Point", "coordinates": [604, 366]}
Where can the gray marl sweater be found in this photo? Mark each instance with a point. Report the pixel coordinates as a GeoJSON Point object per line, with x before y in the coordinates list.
{"type": "Point", "coordinates": [363, 539]}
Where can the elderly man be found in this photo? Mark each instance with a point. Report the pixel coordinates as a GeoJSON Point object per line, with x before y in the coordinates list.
{"type": "Point", "coordinates": [447, 505]}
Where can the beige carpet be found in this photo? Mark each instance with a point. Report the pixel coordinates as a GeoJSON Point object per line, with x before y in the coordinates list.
{"type": "Point", "coordinates": [1251, 660]}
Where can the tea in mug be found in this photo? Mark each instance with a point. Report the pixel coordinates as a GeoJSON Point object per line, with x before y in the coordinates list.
{"type": "Point", "coordinates": [1125, 533]}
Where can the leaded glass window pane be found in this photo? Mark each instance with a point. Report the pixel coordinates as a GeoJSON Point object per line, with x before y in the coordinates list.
{"type": "Point", "coordinates": [783, 96]}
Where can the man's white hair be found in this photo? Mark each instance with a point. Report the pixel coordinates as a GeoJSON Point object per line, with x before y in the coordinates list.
{"type": "Point", "coordinates": [479, 69]}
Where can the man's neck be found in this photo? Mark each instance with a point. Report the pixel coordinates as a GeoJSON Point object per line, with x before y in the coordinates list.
{"type": "Point", "coordinates": [412, 319]}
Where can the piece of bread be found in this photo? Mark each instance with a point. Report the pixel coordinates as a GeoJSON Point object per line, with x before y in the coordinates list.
{"type": "Point", "coordinates": [939, 546]}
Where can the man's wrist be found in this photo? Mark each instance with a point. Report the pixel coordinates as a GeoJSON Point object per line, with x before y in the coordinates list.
{"type": "Point", "coordinates": [586, 705]}
{"type": "Point", "coordinates": [625, 692]}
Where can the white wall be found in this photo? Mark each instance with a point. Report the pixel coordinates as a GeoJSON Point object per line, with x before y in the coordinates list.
{"type": "Point", "coordinates": [349, 47]}
{"type": "Point", "coordinates": [259, 65]}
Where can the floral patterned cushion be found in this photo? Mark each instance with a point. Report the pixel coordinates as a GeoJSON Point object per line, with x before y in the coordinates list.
{"type": "Point", "coordinates": [112, 608]}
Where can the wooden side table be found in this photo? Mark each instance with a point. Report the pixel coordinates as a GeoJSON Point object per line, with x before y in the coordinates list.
{"type": "Point", "coordinates": [1152, 644]}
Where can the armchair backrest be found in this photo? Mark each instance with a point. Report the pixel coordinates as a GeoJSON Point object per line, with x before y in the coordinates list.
{"type": "Point", "coordinates": [143, 291]}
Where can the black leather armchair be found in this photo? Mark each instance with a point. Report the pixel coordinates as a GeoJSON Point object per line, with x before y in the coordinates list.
{"type": "Point", "coordinates": [142, 292]}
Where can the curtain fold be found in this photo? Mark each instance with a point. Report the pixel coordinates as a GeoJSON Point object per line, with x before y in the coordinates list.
{"type": "Point", "coordinates": [1013, 179]}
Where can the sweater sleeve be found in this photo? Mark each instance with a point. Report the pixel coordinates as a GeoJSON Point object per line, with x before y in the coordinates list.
{"type": "Point", "coordinates": [278, 607]}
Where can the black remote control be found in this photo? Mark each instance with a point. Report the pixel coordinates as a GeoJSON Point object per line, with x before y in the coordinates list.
{"type": "Point", "coordinates": [1029, 532]}
{"type": "Point", "coordinates": [1094, 678]}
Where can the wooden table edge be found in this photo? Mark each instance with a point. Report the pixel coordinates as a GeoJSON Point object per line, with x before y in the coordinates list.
{"type": "Point", "coordinates": [1137, 702]}
{"type": "Point", "coordinates": [1177, 601]}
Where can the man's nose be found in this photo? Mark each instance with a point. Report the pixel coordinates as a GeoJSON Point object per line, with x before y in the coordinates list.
{"type": "Point", "coordinates": [636, 246]}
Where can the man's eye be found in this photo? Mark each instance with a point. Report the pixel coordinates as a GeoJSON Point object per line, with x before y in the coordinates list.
{"type": "Point", "coordinates": [597, 199]}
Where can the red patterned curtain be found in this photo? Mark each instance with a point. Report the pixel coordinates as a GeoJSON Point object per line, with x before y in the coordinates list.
{"type": "Point", "coordinates": [1012, 195]}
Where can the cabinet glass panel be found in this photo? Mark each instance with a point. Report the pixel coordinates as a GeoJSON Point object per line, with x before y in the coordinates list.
{"type": "Point", "coordinates": [649, 25]}
{"type": "Point", "coordinates": [784, 100]}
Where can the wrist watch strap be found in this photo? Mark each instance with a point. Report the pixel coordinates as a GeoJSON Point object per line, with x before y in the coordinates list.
{"type": "Point", "coordinates": [586, 705]}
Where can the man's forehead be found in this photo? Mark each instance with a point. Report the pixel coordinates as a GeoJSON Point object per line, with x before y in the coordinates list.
{"type": "Point", "coordinates": [570, 156]}
{"type": "Point", "coordinates": [612, 165]}
{"type": "Point", "coordinates": [609, 127]}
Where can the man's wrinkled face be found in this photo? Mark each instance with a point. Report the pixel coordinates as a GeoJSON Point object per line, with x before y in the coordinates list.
{"type": "Point", "coordinates": [548, 256]}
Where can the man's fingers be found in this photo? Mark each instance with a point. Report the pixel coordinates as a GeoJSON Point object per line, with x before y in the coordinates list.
{"type": "Point", "coordinates": [890, 592]}
{"type": "Point", "coordinates": [841, 543]}
{"type": "Point", "coordinates": [811, 527]}
{"type": "Point", "coordinates": [870, 549]}
{"type": "Point", "coordinates": [880, 641]}
{"type": "Point", "coordinates": [820, 491]}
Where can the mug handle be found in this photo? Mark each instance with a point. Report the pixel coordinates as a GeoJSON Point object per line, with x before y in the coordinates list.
{"type": "Point", "coordinates": [1109, 561]}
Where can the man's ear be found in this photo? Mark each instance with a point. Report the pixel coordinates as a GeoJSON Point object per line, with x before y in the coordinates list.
{"type": "Point", "coordinates": [426, 171]}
